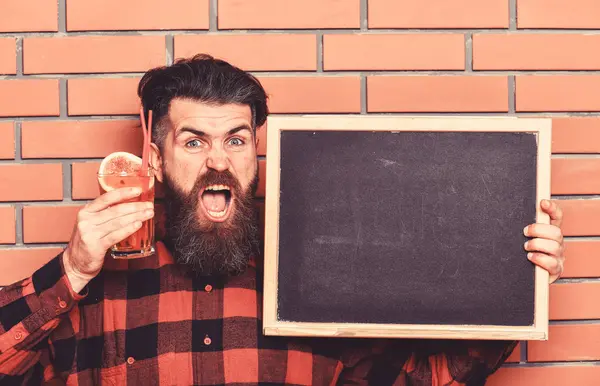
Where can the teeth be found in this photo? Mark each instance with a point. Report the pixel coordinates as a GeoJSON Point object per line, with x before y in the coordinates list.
{"type": "Point", "coordinates": [217, 187]}
{"type": "Point", "coordinates": [217, 214]}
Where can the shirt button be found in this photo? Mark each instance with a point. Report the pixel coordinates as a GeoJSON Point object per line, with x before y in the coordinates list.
{"type": "Point", "coordinates": [207, 341]}
{"type": "Point", "coordinates": [18, 335]}
{"type": "Point", "coordinates": [130, 360]}
{"type": "Point", "coordinates": [208, 288]}
{"type": "Point", "coordinates": [62, 304]}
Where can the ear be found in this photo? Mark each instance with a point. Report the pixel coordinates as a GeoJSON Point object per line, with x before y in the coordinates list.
{"type": "Point", "coordinates": [156, 162]}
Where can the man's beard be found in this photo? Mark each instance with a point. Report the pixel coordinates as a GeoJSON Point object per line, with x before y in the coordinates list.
{"type": "Point", "coordinates": [207, 247]}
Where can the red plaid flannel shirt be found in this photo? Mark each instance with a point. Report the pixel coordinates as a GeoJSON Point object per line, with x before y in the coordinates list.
{"type": "Point", "coordinates": [148, 322]}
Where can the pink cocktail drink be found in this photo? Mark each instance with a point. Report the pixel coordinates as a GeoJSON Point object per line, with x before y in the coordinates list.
{"type": "Point", "coordinates": [140, 243]}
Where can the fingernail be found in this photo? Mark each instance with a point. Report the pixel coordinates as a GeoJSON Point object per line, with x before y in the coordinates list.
{"type": "Point", "coordinates": [526, 244]}
{"type": "Point", "coordinates": [136, 190]}
{"type": "Point", "coordinates": [529, 255]}
{"type": "Point", "coordinates": [149, 212]}
{"type": "Point", "coordinates": [525, 230]}
{"type": "Point", "coordinates": [149, 205]}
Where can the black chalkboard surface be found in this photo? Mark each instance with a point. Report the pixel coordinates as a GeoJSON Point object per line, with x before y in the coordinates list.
{"type": "Point", "coordinates": [385, 225]}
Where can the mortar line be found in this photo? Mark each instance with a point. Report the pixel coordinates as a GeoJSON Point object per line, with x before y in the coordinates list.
{"type": "Point", "coordinates": [573, 322]}
{"type": "Point", "coordinates": [18, 142]}
{"type": "Point", "coordinates": [32, 246]}
{"type": "Point", "coordinates": [170, 49]}
{"type": "Point", "coordinates": [512, 12]}
{"type": "Point", "coordinates": [363, 94]}
{"type": "Point", "coordinates": [370, 72]}
{"type": "Point", "coordinates": [67, 178]}
{"type": "Point", "coordinates": [349, 31]}
{"type": "Point", "coordinates": [523, 356]}
{"type": "Point", "coordinates": [18, 224]}
{"type": "Point", "coordinates": [364, 15]}
{"type": "Point", "coordinates": [62, 16]}
{"type": "Point", "coordinates": [320, 51]}
{"type": "Point", "coordinates": [535, 114]}
{"type": "Point", "coordinates": [511, 95]}
{"type": "Point", "coordinates": [553, 364]}
{"type": "Point", "coordinates": [213, 9]}
{"type": "Point", "coordinates": [19, 57]}
{"type": "Point", "coordinates": [63, 98]}
{"type": "Point", "coordinates": [469, 52]}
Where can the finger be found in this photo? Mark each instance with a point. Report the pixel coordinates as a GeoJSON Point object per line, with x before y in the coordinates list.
{"type": "Point", "coordinates": [553, 265]}
{"type": "Point", "coordinates": [123, 222]}
{"type": "Point", "coordinates": [549, 247]}
{"type": "Point", "coordinates": [121, 234]}
{"type": "Point", "coordinates": [111, 198]}
{"type": "Point", "coordinates": [119, 210]}
{"type": "Point", "coordinates": [544, 231]}
{"type": "Point", "coordinates": [554, 211]}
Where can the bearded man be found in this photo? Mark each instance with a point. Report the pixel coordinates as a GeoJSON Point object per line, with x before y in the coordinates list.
{"type": "Point", "coordinates": [191, 312]}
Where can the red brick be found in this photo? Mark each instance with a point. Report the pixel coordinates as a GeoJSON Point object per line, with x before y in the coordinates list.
{"type": "Point", "coordinates": [103, 96]}
{"type": "Point", "coordinates": [574, 301]}
{"type": "Point", "coordinates": [558, 93]}
{"type": "Point", "coordinates": [583, 258]}
{"type": "Point", "coordinates": [277, 14]}
{"type": "Point", "coordinates": [536, 51]}
{"type": "Point", "coordinates": [580, 217]}
{"type": "Point", "coordinates": [80, 139]}
{"type": "Point", "coordinates": [83, 15]}
{"type": "Point", "coordinates": [546, 376]}
{"type": "Point", "coordinates": [254, 52]}
{"type": "Point", "coordinates": [31, 182]}
{"type": "Point", "coordinates": [437, 94]}
{"type": "Point", "coordinates": [29, 97]}
{"type": "Point", "coordinates": [8, 56]}
{"type": "Point", "coordinates": [7, 140]}
{"type": "Point", "coordinates": [313, 94]}
{"type": "Point", "coordinates": [84, 181]}
{"type": "Point", "coordinates": [77, 54]}
{"type": "Point", "coordinates": [576, 135]}
{"type": "Point", "coordinates": [28, 15]}
{"type": "Point", "coordinates": [412, 52]}
{"type": "Point", "coordinates": [7, 225]}
{"type": "Point", "coordinates": [574, 342]}
{"type": "Point", "coordinates": [19, 263]}
{"type": "Point", "coordinates": [558, 14]}
{"type": "Point", "coordinates": [515, 356]}
{"type": "Point", "coordinates": [48, 224]}
{"type": "Point", "coordinates": [438, 14]}
{"type": "Point", "coordinates": [575, 175]}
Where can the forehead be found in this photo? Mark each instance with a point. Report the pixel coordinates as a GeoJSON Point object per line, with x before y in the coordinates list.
{"type": "Point", "coordinates": [208, 117]}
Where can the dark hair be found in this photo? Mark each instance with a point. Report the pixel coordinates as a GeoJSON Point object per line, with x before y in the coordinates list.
{"type": "Point", "coordinates": [200, 78]}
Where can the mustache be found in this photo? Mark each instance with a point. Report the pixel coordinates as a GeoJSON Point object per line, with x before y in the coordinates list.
{"type": "Point", "coordinates": [213, 177]}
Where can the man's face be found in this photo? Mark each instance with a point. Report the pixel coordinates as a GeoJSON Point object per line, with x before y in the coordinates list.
{"type": "Point", "coordinates": [209, 167]}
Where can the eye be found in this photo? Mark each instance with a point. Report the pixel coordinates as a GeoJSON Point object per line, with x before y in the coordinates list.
{"type": "Point", "coordinates": [193, 143]}
{"type": "Point", "coordinates": [236, 141]}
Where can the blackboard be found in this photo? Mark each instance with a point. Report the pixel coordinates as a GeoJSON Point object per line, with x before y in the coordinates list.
{"type": "Point", "coordinates": [405, 222]}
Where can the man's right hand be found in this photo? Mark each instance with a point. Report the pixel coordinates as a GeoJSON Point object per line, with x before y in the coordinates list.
{"type": "Point", "coordinates": [100, 224]}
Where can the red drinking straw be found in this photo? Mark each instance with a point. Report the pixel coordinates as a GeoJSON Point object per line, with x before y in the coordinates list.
{"type": "Point", "coordinates": [145, 144]}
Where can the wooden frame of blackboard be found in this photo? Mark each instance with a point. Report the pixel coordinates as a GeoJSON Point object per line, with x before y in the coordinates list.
{"type": "Point", "coordinates": [541, 127]}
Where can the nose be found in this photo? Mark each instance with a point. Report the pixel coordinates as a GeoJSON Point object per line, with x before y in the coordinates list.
{"type": "Point", "coordinates": [217, 160]}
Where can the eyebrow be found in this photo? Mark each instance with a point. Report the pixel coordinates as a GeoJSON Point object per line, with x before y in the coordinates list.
{"type": "Point", "coordinates": [201, 133]}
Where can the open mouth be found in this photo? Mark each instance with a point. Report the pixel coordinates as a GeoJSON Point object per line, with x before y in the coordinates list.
{"type": "Point", "coordinates": [217, 202]}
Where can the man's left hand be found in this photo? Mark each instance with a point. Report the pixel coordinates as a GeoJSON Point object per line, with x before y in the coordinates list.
{"type": "Point", "coordinates": [546, 245]}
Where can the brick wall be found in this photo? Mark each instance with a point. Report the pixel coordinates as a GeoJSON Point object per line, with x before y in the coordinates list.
{"type": "Point", "coordinates": [69, 70]}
